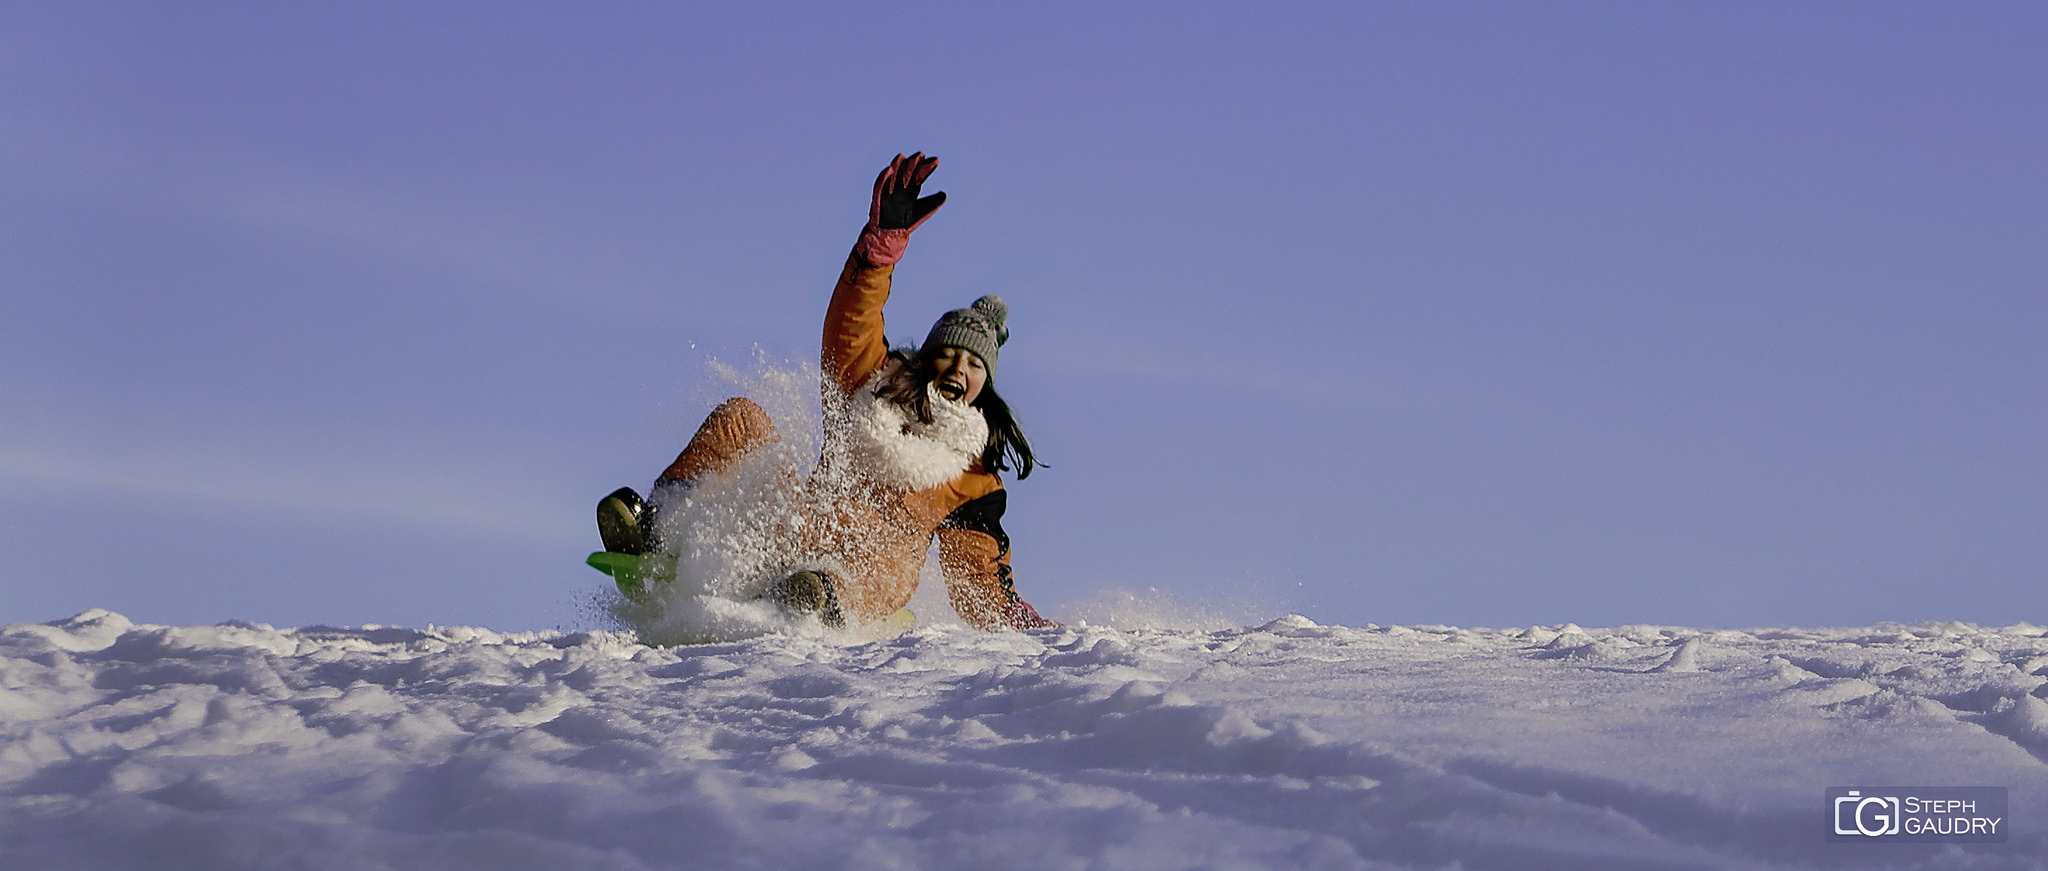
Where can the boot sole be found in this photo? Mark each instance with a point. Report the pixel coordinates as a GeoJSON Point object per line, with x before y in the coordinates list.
{"type": "Point", "coordinates": [618, 523]}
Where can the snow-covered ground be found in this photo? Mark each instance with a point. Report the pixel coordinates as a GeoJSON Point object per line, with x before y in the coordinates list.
{"type": "Point", "coordinates": [1286, 745]}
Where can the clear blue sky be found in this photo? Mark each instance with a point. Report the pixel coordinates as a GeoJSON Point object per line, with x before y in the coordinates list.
{"type": "Point", "coordinates": [1488, 314]}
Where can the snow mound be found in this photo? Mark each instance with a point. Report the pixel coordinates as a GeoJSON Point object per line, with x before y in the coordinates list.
{"type": "Point", "coordinates": [1288, 745]}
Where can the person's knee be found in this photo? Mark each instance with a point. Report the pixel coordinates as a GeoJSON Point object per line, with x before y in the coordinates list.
{"type": "Point", "coordinates": [741, 411]}
{"type": "Point", "coordinates": [733, 429]}
{"type": "Point", "coordinates": [742, 422]}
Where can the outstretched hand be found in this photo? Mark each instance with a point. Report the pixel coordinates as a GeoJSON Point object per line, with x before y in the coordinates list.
{"type": "Point", "coordinates": [896, 205]}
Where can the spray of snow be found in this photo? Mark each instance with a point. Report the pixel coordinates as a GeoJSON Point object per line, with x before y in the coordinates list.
{"type": "Point", "coordinates": [734, 534]}
{"type": "Point", "coordinates": [1154, 608]}
{"type": "Point", "coordinates": [729, 535]}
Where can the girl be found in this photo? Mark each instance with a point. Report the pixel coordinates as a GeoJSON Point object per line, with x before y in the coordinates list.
{"type": "Point", "coordinates": [915, 439]}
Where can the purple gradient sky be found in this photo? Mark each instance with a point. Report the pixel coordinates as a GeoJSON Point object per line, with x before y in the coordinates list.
{"type": "Point", "coordinates": [1489, 314]}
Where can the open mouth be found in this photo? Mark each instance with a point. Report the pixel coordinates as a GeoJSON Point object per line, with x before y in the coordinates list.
{"type": "Point", "coordinates": [950, 390]}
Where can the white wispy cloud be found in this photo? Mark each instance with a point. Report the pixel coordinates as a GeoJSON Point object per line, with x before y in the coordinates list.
{"type": "Point", "coordinates": [440, 502]}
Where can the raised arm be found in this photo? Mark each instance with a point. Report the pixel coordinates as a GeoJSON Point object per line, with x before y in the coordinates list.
{"type": "Point", "coordinates": [855, 344]}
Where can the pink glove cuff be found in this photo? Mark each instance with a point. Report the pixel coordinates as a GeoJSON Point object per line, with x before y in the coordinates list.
{"type": "Point", "coordinates": [881, 247]}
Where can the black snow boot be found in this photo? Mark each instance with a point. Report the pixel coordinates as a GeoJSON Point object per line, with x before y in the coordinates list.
{"type": "Point", "coordinates": [809, 592]}
{"type": "Point", "coordinates": [626, 523]}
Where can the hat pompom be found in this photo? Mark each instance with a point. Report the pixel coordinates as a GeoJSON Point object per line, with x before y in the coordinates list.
{"type": "Point", "coordinates": [998, 313]}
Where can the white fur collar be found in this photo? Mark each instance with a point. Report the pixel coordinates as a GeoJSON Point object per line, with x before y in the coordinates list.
{"type": "Point", "coordinates": [891, 447]}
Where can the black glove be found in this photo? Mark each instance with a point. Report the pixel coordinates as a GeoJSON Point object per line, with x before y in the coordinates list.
{"type": "Point", "coordinates": [896, 205]}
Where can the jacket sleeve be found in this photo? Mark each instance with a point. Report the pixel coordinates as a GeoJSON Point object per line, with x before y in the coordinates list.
{"type": "Point", "coordinates": [974, 555]}
{"type": "Point", "coordinates": [854, 343]}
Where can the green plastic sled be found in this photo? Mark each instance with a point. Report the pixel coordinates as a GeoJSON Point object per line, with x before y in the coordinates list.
{"type": "Point", "coordinates": [633, 572]}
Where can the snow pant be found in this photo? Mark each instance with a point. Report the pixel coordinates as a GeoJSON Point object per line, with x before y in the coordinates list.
{"type": "Point", "coordinates": [734, 429]}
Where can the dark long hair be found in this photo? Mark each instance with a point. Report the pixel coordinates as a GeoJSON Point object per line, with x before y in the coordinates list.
{"type": "Point", "coordinates": [1006, 441]}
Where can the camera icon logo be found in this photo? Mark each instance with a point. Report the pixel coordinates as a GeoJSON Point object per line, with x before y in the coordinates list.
{"type": "Point", "coordinates": [1871, 816]}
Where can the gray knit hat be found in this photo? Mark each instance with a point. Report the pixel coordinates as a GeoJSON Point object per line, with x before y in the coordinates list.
{"type": "Point", "coordinates": [978, 328]}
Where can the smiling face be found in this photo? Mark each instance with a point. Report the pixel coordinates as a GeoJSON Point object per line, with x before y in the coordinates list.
{"type": "Point", "coordinates": [958, 374]}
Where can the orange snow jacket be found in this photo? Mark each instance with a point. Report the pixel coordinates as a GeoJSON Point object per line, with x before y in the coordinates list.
{"type": "Point", "coordinates": [886, 537]}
